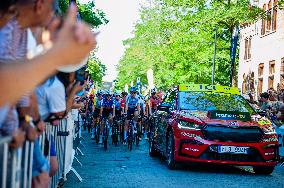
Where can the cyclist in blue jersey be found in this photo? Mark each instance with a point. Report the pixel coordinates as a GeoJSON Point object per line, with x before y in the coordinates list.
{"type": "Point", "coordinates": [98, 102]}
{"type": "Point", "coordinates": [118, 109]}
{"type": "Point", "coordinates": [117, 105]}
{"type": "Point", "coordinates": [107, 111]}
{"type": "Point", "coordinates": [132, 109]}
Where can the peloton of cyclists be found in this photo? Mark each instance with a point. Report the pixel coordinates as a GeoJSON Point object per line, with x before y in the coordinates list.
{"type": "Point", "coordinates": [133, 105]}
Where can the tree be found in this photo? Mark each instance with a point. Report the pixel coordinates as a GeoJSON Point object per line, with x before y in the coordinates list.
{"type": "Point", "coordinates": [95, 18]}
{"type": "Point", "coordinates": [175, 39]}
{"type": "Point", "coordinates": [88, 12]}
{"type": "Point", "coordinates": [96, 69]}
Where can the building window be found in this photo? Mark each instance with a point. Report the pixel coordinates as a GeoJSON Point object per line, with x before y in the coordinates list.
{"type": "Point", "coordinates": [263, 25]}
{"type": "Point", "coordinates": [269, 21]}
{"type": "Point", "coordinates": [281, 82]}
{"type": "Point", "coordinates": [282, 66]}
{"type": "Point", "coordinates": [268, 17]}
{"type": "Point", "coordinates": [271, 82]}
{"type": "Point", "coordinates": [274, 20]}
{"type": "Point", "coordinates": [271, 67]}
{"type": "Point", "coordinates": [260, 85]}
{"type": "Point", "coordinates": [260, 70]}
{"type": "Point", "coordinates": [247, 48]}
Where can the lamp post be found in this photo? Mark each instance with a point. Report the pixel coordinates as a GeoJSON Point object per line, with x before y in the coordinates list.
{"type": "Point", "coordinates": [214, 57]}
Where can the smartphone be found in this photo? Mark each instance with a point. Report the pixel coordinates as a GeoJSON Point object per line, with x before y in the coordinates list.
{"type": "Point", "coordinates": [80, 76]}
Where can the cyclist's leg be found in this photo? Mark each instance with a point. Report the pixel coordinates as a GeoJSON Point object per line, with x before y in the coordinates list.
{"type": "Point", "coordinates": [110, 121]}
{"type": "Point", "coordinates": [135, 119]}
{"type": "Point", "coordinates": [128, 117]}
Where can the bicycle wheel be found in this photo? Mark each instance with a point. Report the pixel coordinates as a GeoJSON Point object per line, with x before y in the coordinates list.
{"type": "Point", "coordinates": [137, 139]}
{"type": "Point", "coordinates": [105, 135]}
{"type": "Point", "coordinates": [97, 135]}
{"type": "Point", "coordinates": [114, 134]}
{"type": "Point", "coordinates": [131, 137]}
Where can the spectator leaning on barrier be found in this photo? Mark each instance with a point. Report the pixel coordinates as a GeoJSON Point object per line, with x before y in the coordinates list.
{"type": "Point", "coordinates": [14, 43]}
{"type": "Point", "coordinates": [38, 162]}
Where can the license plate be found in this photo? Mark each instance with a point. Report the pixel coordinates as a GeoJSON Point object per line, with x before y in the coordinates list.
{"type": "Point", "coordinates": [233, 149]}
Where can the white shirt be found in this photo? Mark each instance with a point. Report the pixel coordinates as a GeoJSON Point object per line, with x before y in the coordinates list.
{"type": "Point", "coordinates": [51, 97]}
{"type": "Point", "coordinates": [3, 113]}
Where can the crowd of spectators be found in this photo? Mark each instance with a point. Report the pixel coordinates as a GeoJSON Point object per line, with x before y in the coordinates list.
{"type": "Point", "coordinates": [270, 103]}
{"type": "Point", "coordinates": [34, 44]}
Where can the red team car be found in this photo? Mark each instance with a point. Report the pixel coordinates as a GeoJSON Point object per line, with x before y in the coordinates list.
{"type": "Point", "coordinates": [212, 124]}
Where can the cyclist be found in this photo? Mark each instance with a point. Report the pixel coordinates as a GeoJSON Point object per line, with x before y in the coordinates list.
{"type": "Point", "coordinates": [153, 102]}
{"type": "Point", "coordinates": [98, 102]}
{"type": "Point", "coordinates": [107, 111]}
{"type": "Point", "coordinates": [118, 109]}
{"type": "Point", "coordinates": [89, 112]}
{"type": "Point", "coordinates": [123, 99]}
{"type": "Point", "coordinates": [132, 109]}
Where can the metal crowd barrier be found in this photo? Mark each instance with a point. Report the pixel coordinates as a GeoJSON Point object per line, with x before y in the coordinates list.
{"type": "Point", "coordinates": [16, 165]}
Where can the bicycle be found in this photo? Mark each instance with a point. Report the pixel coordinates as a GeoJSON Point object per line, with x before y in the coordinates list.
{"type": "Point", "coordinates": [105, 133]}
{"type": "Point", "coordinates": [115, 131]}
{"type": "Point", "coordinates": [97, 130]}
{"type": "Point", "coordinates": [123, 119]}
{"type": "Point", "coordinates": [130, 134]}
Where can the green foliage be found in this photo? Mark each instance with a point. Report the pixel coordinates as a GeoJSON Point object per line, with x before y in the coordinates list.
{"type": "Point", "coordinates": [96, 69]}
{"type": "Point", "coordinates": [95, 18]}
{"type": "Point", "coordinates": [176, 40]}
{"type": "Point", "coordinates": [88, 12]}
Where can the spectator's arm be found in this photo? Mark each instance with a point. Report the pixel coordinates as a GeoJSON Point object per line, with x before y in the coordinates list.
{"type": "Point", "coordinates": [73, 43]}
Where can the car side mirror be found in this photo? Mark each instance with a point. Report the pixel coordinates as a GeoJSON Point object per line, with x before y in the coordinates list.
{"type": "Point", "coordinates": [164, 107]}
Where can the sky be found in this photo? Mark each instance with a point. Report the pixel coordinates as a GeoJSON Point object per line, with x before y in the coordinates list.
{"type": "Point", "coordinates": [122, 15]}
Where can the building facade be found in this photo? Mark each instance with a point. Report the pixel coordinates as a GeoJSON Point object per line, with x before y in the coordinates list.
{"type": "Point", "coordinates": [261, 60]}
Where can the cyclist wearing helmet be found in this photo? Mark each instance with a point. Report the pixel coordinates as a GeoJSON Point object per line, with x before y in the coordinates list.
{"type": "Point", "coordinates": [132, 109]}
{"type": "Point", "coordinates": [124, 95]}
{"type": "Point", "coordinates": [107, 111]}
{"type": "Point", "coordinates": [98, 102]}
{"type": "Point", "coordinates": [153, 102]}
{"type": "Point", "coordinates": [89, 112]}
{"type": "Point", "coordinates": [117, 104]}
{"type": "Point", "coordinates": [118, 110]}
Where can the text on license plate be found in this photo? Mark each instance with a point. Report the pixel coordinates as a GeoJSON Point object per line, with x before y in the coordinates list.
{"type": "Point", "coordinates": [233, 149]}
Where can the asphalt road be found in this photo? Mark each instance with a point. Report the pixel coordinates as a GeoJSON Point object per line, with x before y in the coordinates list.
{"type": "Point", "coordinates": [118, 167]}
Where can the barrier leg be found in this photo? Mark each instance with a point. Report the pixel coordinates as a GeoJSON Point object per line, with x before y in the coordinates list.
{"type": "Point", "coordinates": [82, 144]}
{"type": "Point", "coordinates": [14, 168]}
{"type": "Point", "coordinates": [4, 170]}
{"type": "Point", "coordinates": [81, 153]}
{"type": "Point", "coordinates": [25, 178]}
{"type": "Point", "coordinates": [77, 175]}
{"type": "Point", "coordinates": [78, 161]}
{"type": "Point", "coordinates": [30, 164]}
